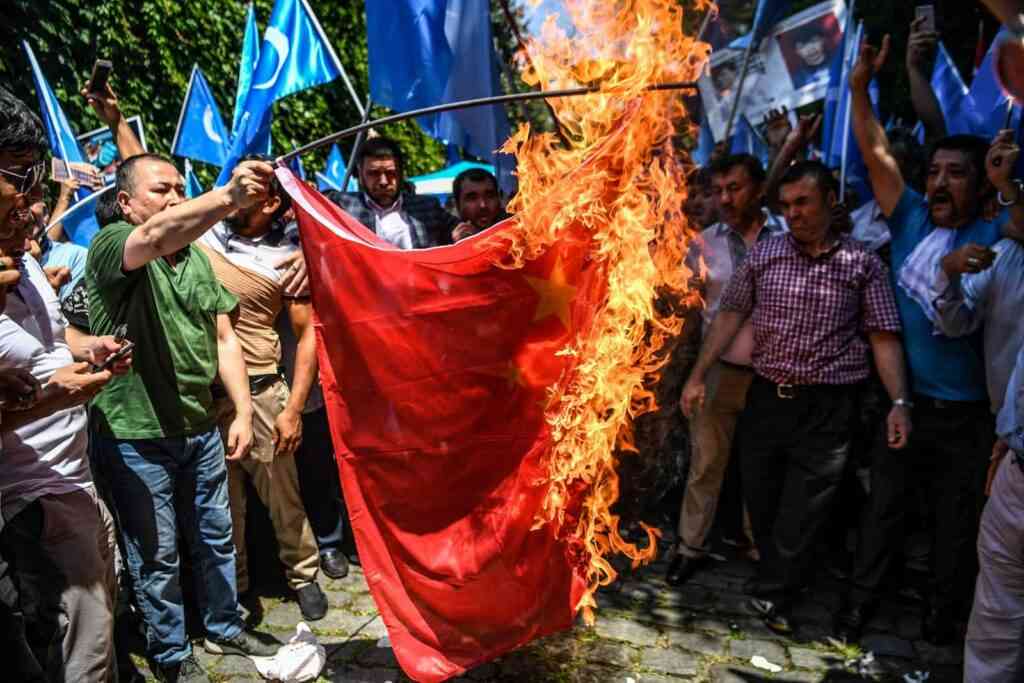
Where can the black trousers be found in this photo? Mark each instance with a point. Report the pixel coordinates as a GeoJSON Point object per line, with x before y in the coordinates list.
{"type": "Point", "coordinates": [948, 455]}
{"type": "Point", "coordinates": [793, 452]}
{"type": "Point", "coordinates": [319, 482]}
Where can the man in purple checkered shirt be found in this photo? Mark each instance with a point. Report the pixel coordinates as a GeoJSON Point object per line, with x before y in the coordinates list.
{"type": "Point", "coordinates": [818, 302]}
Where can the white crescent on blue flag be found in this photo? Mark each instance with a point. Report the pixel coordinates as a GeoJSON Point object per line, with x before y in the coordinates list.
{"type": "Point", "coordinates": [201, 134]}
{"type": "Point", "coordinates": [82, 225]}
{"type": "Point", "coordinates": [450, 43]}
{"type": "Point", "coordinates": [246, 66]}
{"type": "Point", "coordinates": [293, 56]}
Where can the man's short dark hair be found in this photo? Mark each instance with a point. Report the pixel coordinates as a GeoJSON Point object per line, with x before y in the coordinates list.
{"type": "Point", "coordinates": [973, 147]}
{"type": "Point", "coordinates": [107, 209]}
{"type": "Point", "coordinates": [381, 148]}
{"type": "Point", "coordinates": [724, 165]}
{"type": "Point", "coordinates": [472, 175]}
{"type": "Point", "coordinates": [909, 153]}
{"type": "Point", "coordinates": [811, 169]}
{"type": "Point", "coordinates": [20, 128]}
{"type": "Point", "coordinates": [125, 178]}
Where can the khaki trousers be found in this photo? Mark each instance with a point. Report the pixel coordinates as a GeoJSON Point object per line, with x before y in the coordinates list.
{"type": "Point", "coordinates": [277, 484]}
{"type": "Point", "coordinates": [711, 435]}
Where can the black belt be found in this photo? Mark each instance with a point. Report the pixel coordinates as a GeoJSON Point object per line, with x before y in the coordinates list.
{"type": "Point", "coordinates": [257, 383]}
{"type": "Point", "coordinates": [944, 405]}
{"type": "Point", "coordinates": [791, 391]}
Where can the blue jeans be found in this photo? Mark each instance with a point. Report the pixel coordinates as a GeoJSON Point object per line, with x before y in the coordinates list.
{"type": "Point", "coordinates": [155, 484]}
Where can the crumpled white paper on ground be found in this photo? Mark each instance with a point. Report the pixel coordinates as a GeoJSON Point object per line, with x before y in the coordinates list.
{"type": "Point", "coordinates": [301, 659]}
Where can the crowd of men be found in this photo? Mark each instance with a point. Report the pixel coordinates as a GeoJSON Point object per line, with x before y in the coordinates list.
{"type": "Point", "coordinates": [850, 364]}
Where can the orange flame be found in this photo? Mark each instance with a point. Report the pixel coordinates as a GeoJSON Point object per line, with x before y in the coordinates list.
{"type": "Point", "coordinates": [629, 195]}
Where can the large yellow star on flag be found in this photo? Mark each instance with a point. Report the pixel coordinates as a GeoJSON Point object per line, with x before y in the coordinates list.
{"type": "Point", "coordinates": [556, 294]}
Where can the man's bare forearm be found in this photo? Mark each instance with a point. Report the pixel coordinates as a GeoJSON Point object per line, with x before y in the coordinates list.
{"type": "Point", "coordinates": [888, 353]}
{"type": "Point", "coordinates": [724, 329]}
{"type": "Point", "coordinates": [175, 228]}
{"type": "Point", "coordinates": [231, 366]}
{"type": "Point", "coordinates": [305, 355]}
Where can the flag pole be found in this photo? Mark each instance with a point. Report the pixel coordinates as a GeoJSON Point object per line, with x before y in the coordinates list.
{"type": "Point", "coordinates": [355, 148]}
{"type": "Point", "coordinates": [846, 116]}
{"type": "Point", "coordinates": [739, 88]}
{"type": "Point", "coordinates": [465, 104]}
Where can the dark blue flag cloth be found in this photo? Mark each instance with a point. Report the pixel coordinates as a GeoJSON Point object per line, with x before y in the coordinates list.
{"type": "Point", "coordinates": [246, 66]}
{"type": "Point", "coordinates": [951, 93]}
{"type": "Point", "coordinates": [746, 140]}
{"type": "Point", "coordinates": [451, 46]}
{"type": "Point", "coordinates": [294, 55]}
{"type": "Point", "coordinates": [193, 188]}
{"type": "Point", "coordinates": [769, 13]}
{"type": "Point", "coordinates": [705, 144]}
{"type": "Point", "coordinates": [201, 134]}
{"type": "Point", "coordinates": [82, 225]}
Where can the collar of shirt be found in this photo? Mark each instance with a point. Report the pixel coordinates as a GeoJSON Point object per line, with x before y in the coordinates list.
{"type": "Point", "coordinates": [837, 241]}
{"type": "Point", "coordinates": [772, 225]}
{"type": "Point", "coordinates": [380, 210]}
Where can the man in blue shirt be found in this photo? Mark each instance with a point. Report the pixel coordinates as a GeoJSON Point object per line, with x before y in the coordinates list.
{"type": "Point", "coordinates": [953, 428]}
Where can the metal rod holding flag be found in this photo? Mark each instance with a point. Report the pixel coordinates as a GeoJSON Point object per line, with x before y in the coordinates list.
{"type": "Point", "coordinates": [465, 104]}
{"type": "Point", "coordinates": [77, 206]}
{"type": "Point", "coordinates": [739, 88]}
{"type": "Point", "coordinates": [846, 115]}
{"type": "Point", "coordinates": [355, 148]}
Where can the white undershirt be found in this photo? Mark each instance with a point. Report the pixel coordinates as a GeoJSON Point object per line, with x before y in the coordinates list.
{"type": "Point", "coordinates": [391, 224]}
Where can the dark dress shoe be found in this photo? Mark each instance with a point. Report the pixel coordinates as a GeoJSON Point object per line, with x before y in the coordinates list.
{"type": "Point", "coordinates": [850, 622]}
{"type": "Point", "coordinates": [937, 626]}
{"type": "Point", "coordinates": [334, 564]}
{"type": "Point", "coordinates": [312, 602]}
{"type": "Point", "coordinates": [773, 616]}
{"type": "Point", "coordinates": [682, 568]}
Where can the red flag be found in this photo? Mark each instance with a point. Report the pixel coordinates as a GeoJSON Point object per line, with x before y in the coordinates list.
{"type": "Point", "coordinates": [435, 367]}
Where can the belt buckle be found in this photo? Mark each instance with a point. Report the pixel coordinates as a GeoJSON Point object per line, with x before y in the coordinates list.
{"type": "Point", "coordinates": [786, 391]}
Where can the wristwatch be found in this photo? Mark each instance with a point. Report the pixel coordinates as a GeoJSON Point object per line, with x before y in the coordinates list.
{"type": "Point", "coordinates": [903, 402]}
{"type": "Point", "coordinates": [1017, 200]}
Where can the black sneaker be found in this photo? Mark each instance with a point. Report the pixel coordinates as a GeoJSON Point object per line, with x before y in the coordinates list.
{"type": "Point", "coordinates": [312, 602]}
{"type": "Point", "coordinates": [248, 643]}
{"type": "Point", "coordinates": [334, 564]}
{"type": "Point", "coordinates": [188, 670]}
{"type": "Point", "coordinates": [772, 616]}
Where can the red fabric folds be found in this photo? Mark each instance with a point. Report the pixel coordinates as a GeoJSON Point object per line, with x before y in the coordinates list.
{"type": "Point", "coordinates": [435, 367]}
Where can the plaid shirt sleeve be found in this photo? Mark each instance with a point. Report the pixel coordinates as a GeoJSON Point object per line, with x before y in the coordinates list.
{"type": "Point", "coordinates": [878, 303]}
{"type": "Point", "coordinates": [739, 293]}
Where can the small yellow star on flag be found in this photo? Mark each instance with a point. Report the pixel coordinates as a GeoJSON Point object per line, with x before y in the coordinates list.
{"type": "Point", "coordinates": [556, 295]}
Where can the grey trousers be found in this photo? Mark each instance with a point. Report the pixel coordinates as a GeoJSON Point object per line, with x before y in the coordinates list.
{"type": "Point", "coordinates": [61, 552]}
{"type": "Point", "coordinates": [994, 649]}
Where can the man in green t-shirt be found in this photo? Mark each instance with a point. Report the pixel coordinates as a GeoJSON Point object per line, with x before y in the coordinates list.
{"type": "Point", "coordinates": [158, 445]}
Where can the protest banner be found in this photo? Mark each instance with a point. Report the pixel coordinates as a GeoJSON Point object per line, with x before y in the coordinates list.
{"type": "Point", "coordinates": [790, 68]}
{"type": "Point", "coordinates": [101, 150]}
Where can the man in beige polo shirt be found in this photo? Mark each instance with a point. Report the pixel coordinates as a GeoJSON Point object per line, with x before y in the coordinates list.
{"type": "Point", "coordinates": [244, 251]}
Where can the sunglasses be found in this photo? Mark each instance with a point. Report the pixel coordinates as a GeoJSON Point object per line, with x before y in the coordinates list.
{"type": "Point", "coordinates": [28, 180]}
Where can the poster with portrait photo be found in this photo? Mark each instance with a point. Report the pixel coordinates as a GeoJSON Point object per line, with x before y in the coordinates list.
{"type": "Point", "coordinates": [100, 150]}
{"type": "Point", "coordinates": [790, 68]}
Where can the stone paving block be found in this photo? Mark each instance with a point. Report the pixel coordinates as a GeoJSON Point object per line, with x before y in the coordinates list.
{"type": "Point", "coordinates": [337, 597]}
{"type": "Point", "coordinates": [236, 667]}
{"type": "Point", "coordinates": [623, 629]}
{"type": "Point", "coordinates": [670, 660]}
{"type": "Point", "coordinates": [747, 648]}
{"type": "Point", "coordinates": [814, 659]}
{"type": "Point", "coordinates": [668, 616]}
{"type": "Point", "coordinates": [732, 603]}
{"type": "Point", "coordinates": [888, 645]}
{"type": "Point", "coordinates": [701, 643]}
{"type": "Point", "coordinates": [362, 603]}
{"type": "Point", "coordinates": [345, 651]}
{"type": "Point", "coordinates": [378, 658]}
{"type": "Point", "coordinates": [348, 674]}
{"type": "Point", "coordinates": [284, 615]}
{"type": "Point", "coordinates": [608, 652]}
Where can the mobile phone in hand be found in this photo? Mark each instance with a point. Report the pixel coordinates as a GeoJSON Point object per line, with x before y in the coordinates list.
{"type": "Point", "coordinates": [927, 11]}
{"type": "Point", "coordinates": [101, 71]}
{"type": "Point", "coordinates": [122, 352]}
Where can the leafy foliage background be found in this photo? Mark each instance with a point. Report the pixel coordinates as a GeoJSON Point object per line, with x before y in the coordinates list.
{"type": "Point", "coordinates": [153, 44]}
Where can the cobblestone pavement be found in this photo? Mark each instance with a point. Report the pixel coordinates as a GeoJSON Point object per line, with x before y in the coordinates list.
{"type": "Point", "coordinates": [645, 632]}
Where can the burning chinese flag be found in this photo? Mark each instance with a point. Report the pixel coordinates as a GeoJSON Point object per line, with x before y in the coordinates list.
{"type": "Point", "coordinates": [436, 367]}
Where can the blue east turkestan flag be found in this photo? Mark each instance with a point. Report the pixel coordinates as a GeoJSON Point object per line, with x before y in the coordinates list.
{"type": "Point", "coordinates": [769, 13]}
{"type": "Point", "coordinates": [193, 188]}
{"type": "Point", "coordinates": [840, 145]}
{"type": "Point", "coordinates": [82, 225]}
{"type": "Point", "coordinates": [705, 144]}
{"type": "Point", "coordinates": [200, 134]}
{"type": "Point", "coordinates": [246, 66]}
{"type": "Point", "coordinates": [988, 102]}
{"type": "Point", "coordinates": [745, 140]}
{"type": "Point", "coordinates": [951, 92]}
{"type": "Point", "coordinates": [451, 45]}
{"type": "Point", "coordinates": [294, 55]}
